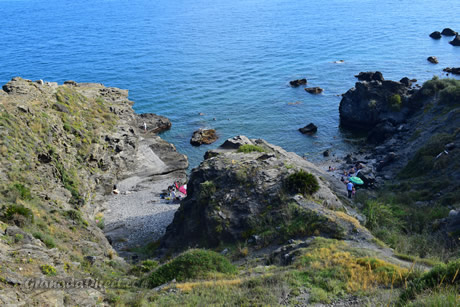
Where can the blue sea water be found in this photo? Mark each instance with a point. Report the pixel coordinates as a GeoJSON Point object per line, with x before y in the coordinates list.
{"type": "Point", "coordinates": [231, 60]}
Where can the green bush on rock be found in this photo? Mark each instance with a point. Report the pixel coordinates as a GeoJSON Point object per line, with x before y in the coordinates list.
{"type": "Point", "coordinates": [302, 182]}
{"type": "Point", "coordinates": [193, 263]}
{"type": "Point", "coordinates": [247, 148]}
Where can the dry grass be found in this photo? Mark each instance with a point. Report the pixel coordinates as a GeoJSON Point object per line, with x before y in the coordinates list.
{"type": "Point", "coordinates": [188, 286]}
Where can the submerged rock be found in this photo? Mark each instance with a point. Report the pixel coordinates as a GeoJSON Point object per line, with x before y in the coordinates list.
{"type": "Point", "coordinates": [237, 196]}
{"type": "Point", "coordinates": [309, 129]}
{"type": "Point", "coordinates": [296, 83]}
{"type": "Point", "coordinates": [432, 59]}
{"type": "Point", "coordinates": [314, 90]}
{"type": "Point", "coordinates": [448, 32]}
{"type": "Point", "coordinates": [436, 35]}
{"type": "Point", "coordinates": [204, 136]}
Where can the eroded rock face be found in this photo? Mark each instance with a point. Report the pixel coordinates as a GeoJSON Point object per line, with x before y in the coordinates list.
{"type": "Point", "coordinates": [203, 136]}
{"type": "Point", "coordinates": [369, 103]}
{"type": "Point", "coordinates": [235, 196]}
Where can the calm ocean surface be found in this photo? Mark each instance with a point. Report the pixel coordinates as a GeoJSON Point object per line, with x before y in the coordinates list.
{"type": "Point", "coordinates": [231, 60]}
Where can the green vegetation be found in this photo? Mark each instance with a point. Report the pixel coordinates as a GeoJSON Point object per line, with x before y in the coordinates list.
{"type": "Point", "coordinates": [13, 211]}
{"type": "Point", "coordinates": [302, 182]}
{"type": "Point", "coordinates": [76, 216]}
{"type": "Point", "coordinates": [207, 190]}
{"type": "Point", "coordinates": [247, 148]}
{"type": "Point", "coordinates": [192, 264]}
{"type": "Point", "coordinates": [48, 240]}
{"type": "Point", "coordinates": [439, 276]}
{"type": "Point", "coordinates": [448, 90]}
{"type": "Point", "coordinates": [425, 159]}
{"type": "Point", "coordinates": [395, 102]}
{"type": "Point", "coordinates": [48, 270]}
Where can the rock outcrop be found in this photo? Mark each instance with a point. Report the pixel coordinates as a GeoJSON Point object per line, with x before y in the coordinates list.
{"type": "Point", "coordinates": [296, 83]}
{"type": "Point", "coordinates": [314, 90]}
{"type": "Point", "coordinates": [309, 129]}
{"type": "Point", "coordinates": [453, 70]}
{"type": "Point", "coordinates": [432, 59]}
{"type": "Point", "coordinates": [203, 136]}
{"type": "Point", "coordinates": [239, 195]}
{"type": "Point", "coordinates": [370, 76]}
{"type": "Point", "coordinates": [436, 35]}
{"type": "Point", "coordinates": [455, 41]}
{"type": "Point", "coordinates": [448, 32]}
{"type": "Point", "coordinates": [369, 103]}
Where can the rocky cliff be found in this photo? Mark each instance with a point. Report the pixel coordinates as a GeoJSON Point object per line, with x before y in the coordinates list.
{"type": "Point", "coordinates": [62, 148]}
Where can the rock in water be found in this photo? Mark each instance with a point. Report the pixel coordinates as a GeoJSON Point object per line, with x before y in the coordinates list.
{"type": "Point", "coordinates": [432, 59]}
{"type": "Point", "coordinates": [237, 196]}
{"type": "Point", "coordinates": [436, 35]}
{"type": "Point", "coordinates": [309, 129]}
{"type": "Point", "coordinates": [453, 70]}
{"type": "Point", "coordinates": [369, 103]}
{"type": "Point", "coordinates": [296, 83]}
{"type": "Point", "coordinates": [455, 41]}
{"type": "Point", "coordinates": [203, 136]}
{"type": "Point", "coordinates": [406, 81]}
{"type": "Point", "coordinates": [370, 75]}
{"type": "Point", "coordinates": [448, 32]}
{"type": "Point", "coordinates": [314, 90]}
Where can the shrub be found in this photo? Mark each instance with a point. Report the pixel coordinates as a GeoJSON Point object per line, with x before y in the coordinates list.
{"type": "Point", "coordinates": [302, 182]}
{"type": "Point", "coordinates": [48, 240]}
{"type": "Point", "coordinates": [378, 214]}
{"type": "Point", "coordinates": [76, 216]}
{"type": "Point", "coordinates": [441, 274]}
{"type": "Point", "coordinates": [395, 102]}
{"type": "Point", "coordinates": [21, 191]}
{"type": "Point", "coordinates": [448, 89]}
{"type": "Point", "coordinates": [13, 211]}
{"type": "Point", "coordinates": [48, 270]}
{"type": "Point", "coordinates": [194, 263]}
{"type": "Point", "coordinates": [207, 190]}
{"type": "Point", "coordinates": [247, 148]}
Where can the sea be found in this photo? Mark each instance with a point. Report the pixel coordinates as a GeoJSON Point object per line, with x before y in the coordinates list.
{"type": "Point", "coordinates": [229, 60]}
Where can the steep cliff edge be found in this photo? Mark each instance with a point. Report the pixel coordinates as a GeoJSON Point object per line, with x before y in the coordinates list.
{"type": "Point", "coordinates": [62, 148]}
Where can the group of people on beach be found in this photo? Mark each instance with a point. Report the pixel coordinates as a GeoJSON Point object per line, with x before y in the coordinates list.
{"type": "Point", "coordinates": [175, 192]}
{"type": "Point", "coordinates": [353, 172]}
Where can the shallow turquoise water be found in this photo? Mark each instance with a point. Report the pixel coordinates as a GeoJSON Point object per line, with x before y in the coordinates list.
{"type": "Point", "coordinates": [231, 60]}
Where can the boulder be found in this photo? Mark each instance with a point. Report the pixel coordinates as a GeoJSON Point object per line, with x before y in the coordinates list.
{"type": "Point", "coordinates": [296, 83]}
{"type": "Point", "coordinates": [155, 123]}
{"type": "Point", "coordinates": [70, 82]}
{"type": "Point", "coordinates": [327, 153]}
{"type": "Point", "coordinates": [314, 90]}
{"type": "Point", "coordinates": [370, 75]}
{"type": "Point", "coordinates": [406, 81]}
{"type": "Point", "coordinates": [203, 136]}
{"type": "Point", "coordinates": [448, 32]}
{"type": "Point", "coordinates": [432, 59]}
{"type": "Point", "coordinates": [453, 70]}
{"type": "Point", "coordinates": [381, 132]}
{"type": "Point", "coordinates": [370, 103]}
{"type": "Point", "coordinates": [455, 41]}
{"type": "Point", "coordinates": [240, 197]}
{"type": "Point", "coordinates": [436, 35]}
{"type": "Point", "coordinates": [309, 129]}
